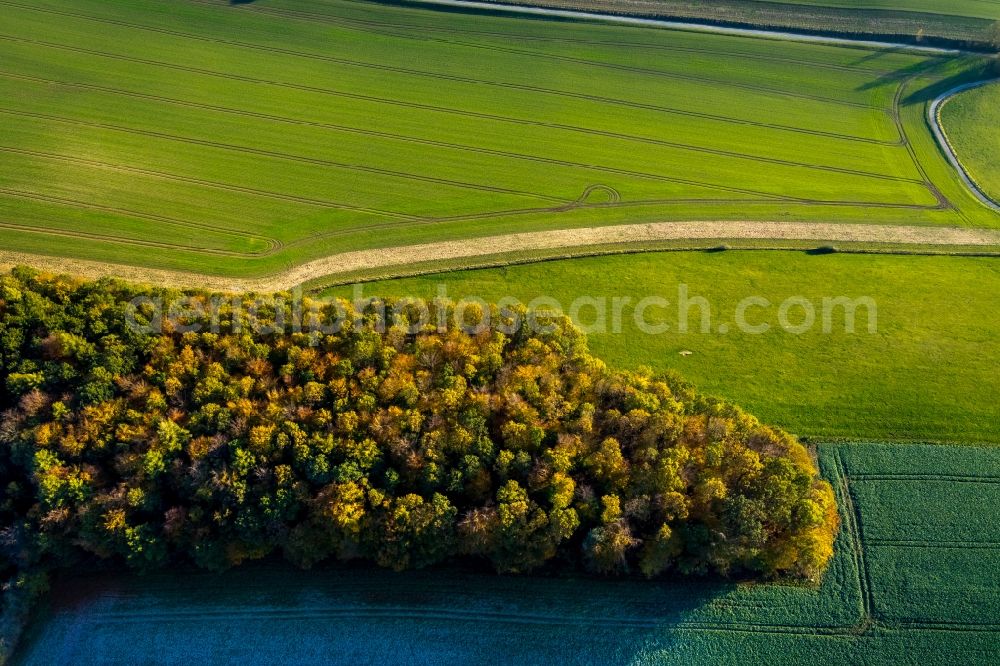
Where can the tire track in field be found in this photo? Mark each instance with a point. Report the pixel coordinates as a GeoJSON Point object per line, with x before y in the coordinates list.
{"type": "Point", "coordinates": [273, 244]}
{"type": "Point", "coordinates": [897, 119]}
{"type": "Point", "coordinates": [466, 185]}
{"type": "Point", "coordinates": [412, 221]}
{"type": "Point", "coordinates": [949, 627]}
{"type": "Point", "coordinates": [957, 545]}
{"type": "Point", "coordinates": [853, 528]}
{"type": "Point", "coordinates": [644, 71]}
{"type": "Point", "coordinates": [944, 478]}
{"type": "Point", "coordinates": [593, 167]}
{"type": "Point", "coordinates": [472, 80]}
{"type": "Point", "coordinates": [473, 217]}
{"type": "Point", "coordinates": [322, 203]}
{"type": "Point", "coordinates": [279, 155]}
{"type": "Point", "coordinates": [417, 613]}
{"type": "Point", "coordinates": [562, 208]}
{"type": "Point", "coordinates": [410, 105]}
{"type": "Point", "coordinates": [661, 202]}
{"type": "Point", "coordinates": [383, 27]}
{"type": "Point", "coordinates": [119, 240]}
{"type": "Point", "coordinates": [453, 145]}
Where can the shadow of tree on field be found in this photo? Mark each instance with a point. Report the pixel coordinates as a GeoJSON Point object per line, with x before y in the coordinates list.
{"type": "Point", "coordinates": [897, 75]}
{"type": "Point", "coordinates": [369, 615]}
{"type": "Point", "coordinates": [938, 88]}
{"type": "Point", "coordinates": [926, 92]}
{"type": "Point", "coordinates": [877, 54]}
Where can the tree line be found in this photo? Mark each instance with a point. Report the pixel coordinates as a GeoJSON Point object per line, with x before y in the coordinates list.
{"type": "Point", "coordinates": [519, 449]}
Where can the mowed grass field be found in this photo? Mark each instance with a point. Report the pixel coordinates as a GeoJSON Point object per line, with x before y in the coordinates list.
{"type": "Point", "coordinates": [970, 120]}
{"type": "Point", "coordinates": [929, 371]}
{"type": "Point", "coordinates": [243, 139]}
{"type": "Point", "coordinates": [914, 580]}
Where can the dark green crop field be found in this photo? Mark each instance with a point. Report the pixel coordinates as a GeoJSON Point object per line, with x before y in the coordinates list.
{"type": "Point", "coordinates": [915, 580]}
{"type": "Point", "coordinates": [243, 139]}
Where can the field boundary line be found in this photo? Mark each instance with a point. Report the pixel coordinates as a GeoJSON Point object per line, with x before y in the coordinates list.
{"type": "Point", "coordinates": [358, 260]}
{"type": "Point", "coordinates": [944, 143]}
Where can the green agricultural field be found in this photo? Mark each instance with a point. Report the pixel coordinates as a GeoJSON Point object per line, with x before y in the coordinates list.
{"type": "Point", "coordinates": [970, 120]}
{"type": "Point", "coordinates": [985, 9]}
{"type": "Point", "coordinates": [914, 580]}
{"type": "Point", "coordinates": [958, 22]}
{"type": "Point", "coordinates": [243, 139]}
{"type": "Point", "coordinates": [928, 372]}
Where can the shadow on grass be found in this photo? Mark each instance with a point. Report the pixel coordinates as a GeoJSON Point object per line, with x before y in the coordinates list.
{"type": "Point", "coordinates": [482, 11]}
{"type": "Point", "coordinates": [930, 91]}
{"type": "Point", "coordinates": [933, 91]}
{"type": "Point", "coordinates": [272, 613]}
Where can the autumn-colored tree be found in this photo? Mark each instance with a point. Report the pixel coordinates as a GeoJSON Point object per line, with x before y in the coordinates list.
{"type": "Point", "coordinates": [513, 447]}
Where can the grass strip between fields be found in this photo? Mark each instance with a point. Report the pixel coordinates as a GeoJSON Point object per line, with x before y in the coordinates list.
{"type": "Point", "coordinates": [345, 263]}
